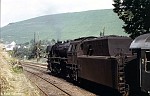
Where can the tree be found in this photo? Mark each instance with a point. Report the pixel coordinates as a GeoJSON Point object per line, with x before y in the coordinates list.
{"type": "Point", "coordinates": [135, 14]}
{"type": "Point", "coordinates": [20, 52]}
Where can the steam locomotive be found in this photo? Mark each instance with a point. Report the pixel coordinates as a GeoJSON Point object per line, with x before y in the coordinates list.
{"type": "Point", "coordinates": [103, 61]}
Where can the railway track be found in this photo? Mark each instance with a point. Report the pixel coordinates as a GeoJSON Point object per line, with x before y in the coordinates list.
{"type": "Point", "coordinates": [56, 86]}
{"type": "Point", "coordinates": [35, 67]}
{"type": "Point", "coordinates": [64, 93]}
{"type": "Point", "coordinates": [35, 64]}
{"type": "Point", "coordinates": [38, 87]}
{"type": "Point", "coordinates": [38, 67]}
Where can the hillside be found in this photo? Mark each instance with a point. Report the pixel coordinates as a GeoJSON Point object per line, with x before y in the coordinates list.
{"type": "Point", "coordinates": [64, 26]}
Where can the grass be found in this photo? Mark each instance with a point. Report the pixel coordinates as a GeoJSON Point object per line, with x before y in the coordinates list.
{"type": "Point", "coordinates": [17, 68]}
{"type": "Point", "coordinates": [12, 80]}
{"type": "Point", "coordinates": [4, 86]}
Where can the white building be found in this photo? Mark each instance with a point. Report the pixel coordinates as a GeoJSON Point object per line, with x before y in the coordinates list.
{"type": "Point", "coordinates": [10, 47]}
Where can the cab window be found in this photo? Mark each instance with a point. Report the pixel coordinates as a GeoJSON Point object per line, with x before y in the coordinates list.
{"type": "Point", "coordinates": [147, 61]}
{"type": "Point", "coordinates": [70, 48]}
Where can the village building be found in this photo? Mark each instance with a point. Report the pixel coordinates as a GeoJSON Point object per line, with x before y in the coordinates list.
{"type": "Point", "coordinates": [10, 47]}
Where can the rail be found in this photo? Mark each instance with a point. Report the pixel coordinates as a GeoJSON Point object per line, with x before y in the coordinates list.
{"type": "Point", "coordinates": [48, 82]}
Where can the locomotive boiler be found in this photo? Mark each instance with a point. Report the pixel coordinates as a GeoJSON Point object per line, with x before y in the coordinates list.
{"type": "Point", "coordinates": [57, 55]}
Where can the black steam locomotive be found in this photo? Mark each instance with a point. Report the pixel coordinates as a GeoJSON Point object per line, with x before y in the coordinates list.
{"type": "Point", "coordinates": [103, 61]}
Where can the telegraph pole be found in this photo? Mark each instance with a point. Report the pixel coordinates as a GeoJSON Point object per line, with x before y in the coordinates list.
{"type": "Point", "coordinates": [37, 46]}
{"type": "Point", "coordinates": [102, 33]}
{"type": "Point", "coordinates": [34, 39]}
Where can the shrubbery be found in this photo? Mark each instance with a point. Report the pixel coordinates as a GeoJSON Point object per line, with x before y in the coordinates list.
{"type": "Point", "coordinates": [30, 50]}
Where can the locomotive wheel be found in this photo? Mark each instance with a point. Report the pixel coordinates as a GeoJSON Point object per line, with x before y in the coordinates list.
{"type": "Point", "coordinates": [72, 75]}
{"type": "Point", "coordinates": [57, 70]}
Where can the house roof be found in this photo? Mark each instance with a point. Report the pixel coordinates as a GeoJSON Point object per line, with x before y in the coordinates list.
{"type": "Point", "coordinates": [142, 42]}
{"type": "Point", "coordinates": [13, 43]}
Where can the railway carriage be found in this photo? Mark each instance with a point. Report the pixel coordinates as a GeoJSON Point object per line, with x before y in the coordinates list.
{"type": "Point", "coordinates": [141, 47]}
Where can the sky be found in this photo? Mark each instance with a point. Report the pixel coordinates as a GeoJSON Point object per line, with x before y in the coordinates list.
{"type": "Point", "coordinates": [19, 10]}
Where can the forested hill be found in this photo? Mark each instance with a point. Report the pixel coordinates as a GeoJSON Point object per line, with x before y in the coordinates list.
{"type": "Point", "coordinates": [64, 26]}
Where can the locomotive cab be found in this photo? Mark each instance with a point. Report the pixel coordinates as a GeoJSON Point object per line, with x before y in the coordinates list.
{"type": "Point", "coordinates": [74, 51]}
{"type": "Point", "coordinates": [141, 46]}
